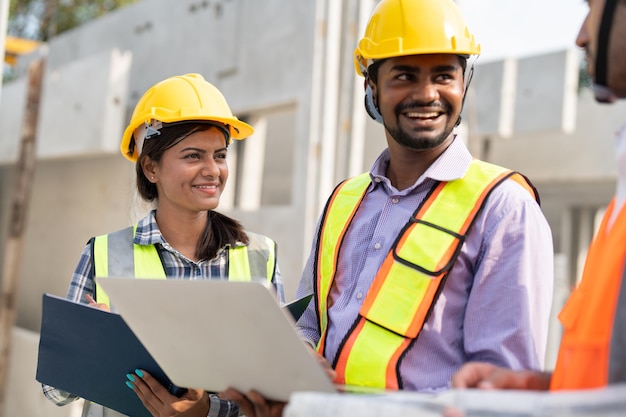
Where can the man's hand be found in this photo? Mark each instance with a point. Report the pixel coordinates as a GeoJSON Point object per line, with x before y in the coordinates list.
{"type": "Point", "coordinates": [160, 403]}
{"type": "Point", "coordinates": [254, 404]}
{"type": "Point", "coordinates": [328, 369]}
{"type": "Point", "coordinates": [487, 376]}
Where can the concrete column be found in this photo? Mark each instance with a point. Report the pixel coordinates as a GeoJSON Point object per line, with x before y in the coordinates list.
{"type": "Point", "coordinates": [251, 183]}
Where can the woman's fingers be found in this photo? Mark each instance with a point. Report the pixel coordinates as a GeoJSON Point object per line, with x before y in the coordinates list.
{"type": "Point", "coordinates": [93, 303]}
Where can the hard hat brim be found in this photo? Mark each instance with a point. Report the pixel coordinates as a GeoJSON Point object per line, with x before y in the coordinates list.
{"type": "Point", "coordinates": [238, 130]}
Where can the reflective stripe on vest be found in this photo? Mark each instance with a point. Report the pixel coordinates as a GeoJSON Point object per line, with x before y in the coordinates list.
{"type": "Point", "coordinates": [116, 255]}
{"type": "Point", "coordinates": [617, 349]}
{"type": "Point", "coordinates": [252, 262]}
{"type": "Point", "coordinates": [588, 315]}
{"type": "Point", "coordinates": [411, 276]}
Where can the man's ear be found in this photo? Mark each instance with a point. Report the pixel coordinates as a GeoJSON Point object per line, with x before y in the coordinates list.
{"type": "Point", "coordinates": [368, 83]}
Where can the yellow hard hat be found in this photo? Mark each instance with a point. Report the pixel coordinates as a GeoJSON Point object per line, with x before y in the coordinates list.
{"type": "Point", "coordinates": [181, 98]}
{"type": "Point", "coordinates": [412, 27]}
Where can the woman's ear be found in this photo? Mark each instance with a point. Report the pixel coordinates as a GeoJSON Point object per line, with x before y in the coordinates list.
{"type": "Point", "coordinates": [149, 169]}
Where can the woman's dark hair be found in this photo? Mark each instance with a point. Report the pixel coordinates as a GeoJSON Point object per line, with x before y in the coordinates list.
{"type": "Point", "coordinates": [220, 230]}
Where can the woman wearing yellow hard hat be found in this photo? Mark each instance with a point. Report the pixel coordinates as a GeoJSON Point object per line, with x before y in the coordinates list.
{"type": "Point", "coordinates": [178, 137]}
{"type": "Point", "coordinates": [176, 100]}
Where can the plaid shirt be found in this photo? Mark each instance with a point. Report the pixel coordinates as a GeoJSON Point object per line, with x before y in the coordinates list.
{"type": "Point", "coordinates": [176, 266]}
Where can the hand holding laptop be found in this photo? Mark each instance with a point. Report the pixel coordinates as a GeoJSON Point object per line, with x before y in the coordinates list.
{"type": "Point", "coordinates": [217, 335]}
{"type": "Point", "coordinates": [160, 402]}
{"type": "Point", "coordinates": [211, 335]}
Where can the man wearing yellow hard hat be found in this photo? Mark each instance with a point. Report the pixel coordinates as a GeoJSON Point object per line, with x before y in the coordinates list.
{"type": "Point", "coordinates": [432, 258]}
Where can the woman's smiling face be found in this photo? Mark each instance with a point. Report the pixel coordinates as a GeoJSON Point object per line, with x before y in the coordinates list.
{"type": "Point", "coordinates": [191, 175]}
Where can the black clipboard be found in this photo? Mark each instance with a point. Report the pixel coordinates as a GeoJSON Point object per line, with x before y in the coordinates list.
{"type": "Point", "coordinates": [92, 360]}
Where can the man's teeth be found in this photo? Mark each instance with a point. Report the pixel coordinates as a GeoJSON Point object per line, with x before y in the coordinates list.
{"type": "Point", "coordinates": [416, 115]}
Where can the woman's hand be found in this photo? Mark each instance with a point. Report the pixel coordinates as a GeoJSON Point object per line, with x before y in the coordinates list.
{"type": "Point", "coordinates": [93, 303]}
{"type": "Point", "coordinates": [160, 403]}
{"type": "Point", "coordinates": [254, 404]}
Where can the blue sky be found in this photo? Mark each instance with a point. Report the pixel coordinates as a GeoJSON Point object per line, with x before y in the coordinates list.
{"type": "Point", "coordinates": [514, 28]}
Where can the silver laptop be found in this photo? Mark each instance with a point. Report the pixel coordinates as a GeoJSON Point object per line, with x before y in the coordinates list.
{"type": "Point", "coordinates": [218, 334]}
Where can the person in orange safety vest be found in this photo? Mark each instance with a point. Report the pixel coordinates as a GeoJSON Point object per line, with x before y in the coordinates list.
{"type": "Point", "coordinates": [592, 353]}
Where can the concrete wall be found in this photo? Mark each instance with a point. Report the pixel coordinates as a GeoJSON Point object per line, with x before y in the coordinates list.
{"type": "Point", "coordinates": [260, 56]}
{"type": "Point", "coordinates": [72, 200]}
{"type": "Point", "coordinates": [24, 396]}
{"type": "Point", "coordinates": [94, 76]}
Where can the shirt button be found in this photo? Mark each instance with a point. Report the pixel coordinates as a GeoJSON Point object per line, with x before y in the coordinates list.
{"type": "Point", "coordinates": [359, 295]}
{"type": "Point", "coordinates": [395, 200]}
{"type": "Point", "coordinates": [376, 179]}
{"type": "Point", "coordinates": [377, 245]}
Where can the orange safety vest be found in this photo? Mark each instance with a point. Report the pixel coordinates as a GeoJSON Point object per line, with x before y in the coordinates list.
{"type": "Point", "coordinates": [587, 318]}
{"type": "Point", "coordinates": [411, 277]}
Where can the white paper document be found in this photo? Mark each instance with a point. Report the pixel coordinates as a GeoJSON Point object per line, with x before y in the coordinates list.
{"type": "Point", "coordinates": [217, 334]}
{"type": "Point", "coordinates": [607, 402]}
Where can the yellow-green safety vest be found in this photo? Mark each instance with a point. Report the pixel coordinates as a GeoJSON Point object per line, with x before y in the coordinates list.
{"type": "Point", "coordinates": [116, 255]}
{"type": "Point", "coordinates": [411, 277]}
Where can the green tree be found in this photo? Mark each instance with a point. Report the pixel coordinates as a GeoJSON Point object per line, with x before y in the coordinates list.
{"type": "Point", "coordinates": [43, 19]}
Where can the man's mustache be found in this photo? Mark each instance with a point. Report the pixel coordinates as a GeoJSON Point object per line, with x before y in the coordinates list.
{"type": "Point", "coordinates": [416, 105]}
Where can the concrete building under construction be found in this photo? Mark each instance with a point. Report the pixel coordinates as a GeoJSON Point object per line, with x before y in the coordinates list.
{"type": "Point", "coordinates": [285, 67]}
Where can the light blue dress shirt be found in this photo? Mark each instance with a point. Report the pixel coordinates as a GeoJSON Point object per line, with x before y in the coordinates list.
{"type": "Point", "coordinates": [496, 302]}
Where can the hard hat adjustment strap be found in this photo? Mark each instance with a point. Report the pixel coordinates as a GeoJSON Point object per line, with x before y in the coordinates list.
{"type": "Point", "coordinates": [370, 106]}
{"type": "Point", "coordinates": [467, 79]}
{"type": "Point", "coordinates": [145, 131]}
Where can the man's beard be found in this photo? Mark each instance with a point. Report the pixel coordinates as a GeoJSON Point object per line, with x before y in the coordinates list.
{"type": "Point", "coordinates": [416, 141]}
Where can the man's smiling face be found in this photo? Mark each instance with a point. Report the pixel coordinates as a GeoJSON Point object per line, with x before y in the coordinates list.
{"type": "Point", "coordinates": [420, 98]}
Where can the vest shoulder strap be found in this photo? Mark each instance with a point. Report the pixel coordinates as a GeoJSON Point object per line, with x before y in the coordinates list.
{"type": "Point", "coordinates": [617, 350]}
{"type": "Point", "coordinates": [116, 255]}
{"type": "Point", "coordinates": [411, 277]}
{"type": "Point", "coordinates": [257, 260]}
{"type": "Point", "coordinates": [427, 248]}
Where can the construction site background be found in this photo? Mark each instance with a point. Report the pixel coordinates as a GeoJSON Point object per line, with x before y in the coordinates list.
{"type": "Point", "coordinates": [286, 68]}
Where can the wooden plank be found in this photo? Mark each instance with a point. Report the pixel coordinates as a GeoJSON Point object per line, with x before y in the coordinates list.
{"type": "Point", "coordinates": [24, 174]}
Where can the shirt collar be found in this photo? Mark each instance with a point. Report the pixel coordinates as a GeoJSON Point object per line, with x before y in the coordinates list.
{"type": "Point", "coordinates": [148, 232]}
{"type": "Point", "coordinates": [452, 164]}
